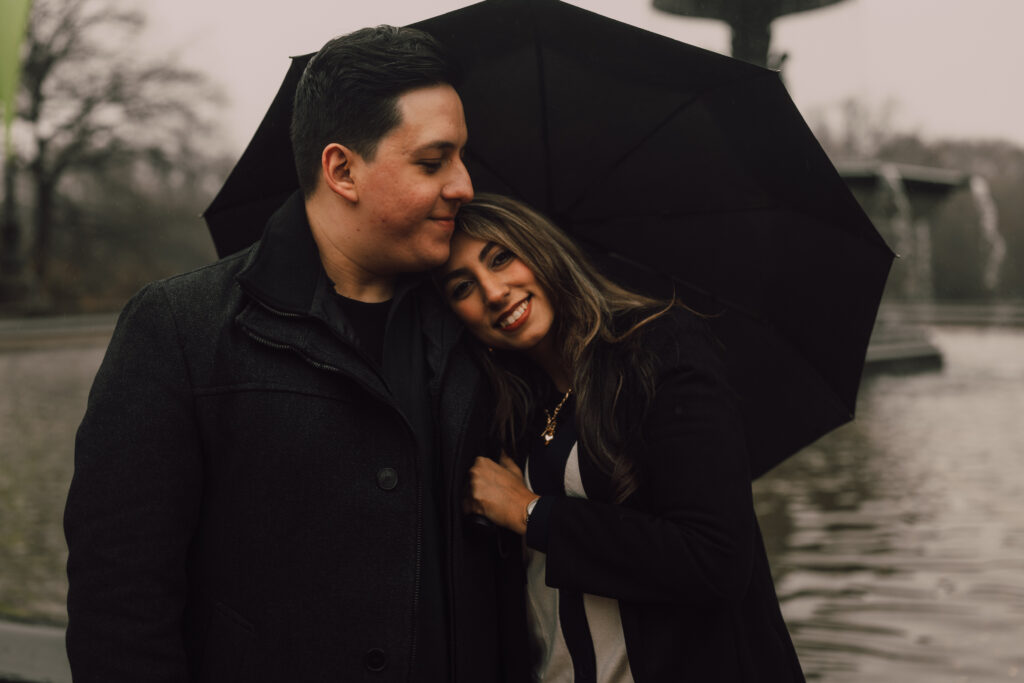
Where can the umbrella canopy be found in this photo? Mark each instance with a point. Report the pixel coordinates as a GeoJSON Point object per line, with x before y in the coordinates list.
{"type": "Point", "coordinates": [653, 152]}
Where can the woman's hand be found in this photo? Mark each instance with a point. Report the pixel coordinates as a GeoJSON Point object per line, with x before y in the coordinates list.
{"type": "Point", "coordinates": [497, 491]}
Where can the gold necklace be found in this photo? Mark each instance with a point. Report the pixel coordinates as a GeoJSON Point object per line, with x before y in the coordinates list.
{"type": "Point", "coordinates": [549, 428]}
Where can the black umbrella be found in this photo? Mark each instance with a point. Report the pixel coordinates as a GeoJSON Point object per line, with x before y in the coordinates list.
{"type": "Point", "coordinates": [653, 152]}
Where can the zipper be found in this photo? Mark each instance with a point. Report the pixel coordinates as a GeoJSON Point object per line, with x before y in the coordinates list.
{"type": "Point", "coordinates": [285, 314]}
{"type": "Point", "coordinates": [286, 347]}
{"type": "Point", "coordinates": [326, 366]}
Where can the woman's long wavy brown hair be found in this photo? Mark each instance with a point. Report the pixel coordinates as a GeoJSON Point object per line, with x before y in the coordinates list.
{"type": "Point", "coordinates": [605, 355]}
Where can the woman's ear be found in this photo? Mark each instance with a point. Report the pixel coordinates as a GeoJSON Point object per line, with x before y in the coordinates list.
{"type": "Point", "coordinates": [337, 162]}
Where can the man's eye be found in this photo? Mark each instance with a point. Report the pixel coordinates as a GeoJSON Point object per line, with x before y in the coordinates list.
{"type": "Point", "coordinates": [431, 166]}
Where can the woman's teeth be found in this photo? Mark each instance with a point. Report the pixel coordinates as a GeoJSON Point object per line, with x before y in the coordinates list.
{"type": "Point", "coordinates": [515, 315]}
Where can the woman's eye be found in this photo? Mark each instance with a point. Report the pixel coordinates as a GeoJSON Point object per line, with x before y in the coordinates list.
{"type": "Point", "coordinates": [502, 257]}
{"type": "Point", "coordinates": [459, 290]}
{"type": "Point", "coordinates": [431, 166]}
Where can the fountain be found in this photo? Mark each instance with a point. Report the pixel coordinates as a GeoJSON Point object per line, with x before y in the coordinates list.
{"type": "Point", "coordinates": [902, 200]}
{"type": "Point", "coordinates": [750, 21]}
{"type": "Point", "coordinates": [989, 219]}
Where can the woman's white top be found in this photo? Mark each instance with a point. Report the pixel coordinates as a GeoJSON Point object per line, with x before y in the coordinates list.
{"type": "Point", "coordinates": [578, 637]}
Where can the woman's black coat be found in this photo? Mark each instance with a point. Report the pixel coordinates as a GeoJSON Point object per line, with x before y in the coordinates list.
{"type": "Point", "coordinates": [683, 554]}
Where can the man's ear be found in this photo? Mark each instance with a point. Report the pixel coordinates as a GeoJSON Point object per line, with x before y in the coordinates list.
{"type": "Point", "coordinates": [337, 162]}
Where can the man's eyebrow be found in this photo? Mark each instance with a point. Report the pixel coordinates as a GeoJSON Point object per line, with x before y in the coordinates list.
{"type": "Point", "coordinates": [436, 145]}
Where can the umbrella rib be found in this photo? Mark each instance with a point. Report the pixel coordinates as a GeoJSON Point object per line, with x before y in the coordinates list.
{"type": "Point", "coordinates": [675, 279]}
{"type": "Point", "coordinates": [622, 159]}
{"type": "Point", "coordinates": [837, 402]}
{"type": "Point", "coordinates": [653, 131]}
{"type": "Point", "coordinates": [727, 304]}
{"type": "Point", "coordinates": [754, 208]}
{"type": "Point", "coordinates": [482, 163]}
{"type": "Point", "coordinates": [545, 130]}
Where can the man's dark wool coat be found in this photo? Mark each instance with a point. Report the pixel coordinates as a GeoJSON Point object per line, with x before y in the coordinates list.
{"type": "Point", "coordinates": [246, 503]}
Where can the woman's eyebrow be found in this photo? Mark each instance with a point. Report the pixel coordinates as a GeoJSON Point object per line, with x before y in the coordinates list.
{"type": "Point", "coordinates": [465, 271]}
{"type": "Point", "coordinates": [486, 250]}
{"type": "Point", "coordinates": [455, 273]}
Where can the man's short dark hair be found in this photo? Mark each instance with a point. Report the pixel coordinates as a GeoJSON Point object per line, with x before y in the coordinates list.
{"type": "Point", "coordinates": [349, 91]}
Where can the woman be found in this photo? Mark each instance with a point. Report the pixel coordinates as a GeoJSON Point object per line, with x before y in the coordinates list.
{"type": "Point", "coordinates": [644, 559]}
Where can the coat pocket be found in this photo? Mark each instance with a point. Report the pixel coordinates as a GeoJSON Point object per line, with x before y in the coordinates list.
{"type": "Point", "coordinates": [229, 643]}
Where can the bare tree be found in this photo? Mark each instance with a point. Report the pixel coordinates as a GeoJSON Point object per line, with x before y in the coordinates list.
{"type": "Point", "coordinates": [87, 104]}
{"type": "Point", "coordinates": [853, 129]}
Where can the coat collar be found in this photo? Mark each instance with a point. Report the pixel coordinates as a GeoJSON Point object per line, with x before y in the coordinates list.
{"type": "Point", "coordinates": [282, 277]}
{"type": "Point", "coordinates": [283, 269]}
{"type": "Point", "coordinates": [283, 273]}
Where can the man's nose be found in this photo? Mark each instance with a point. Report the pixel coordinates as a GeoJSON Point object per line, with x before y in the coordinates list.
{"type": "Point", "coordinates": [459, 186]}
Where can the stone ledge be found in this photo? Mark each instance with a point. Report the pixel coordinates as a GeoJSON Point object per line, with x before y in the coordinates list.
{"type": "Point", "coordinates": [32, 654]}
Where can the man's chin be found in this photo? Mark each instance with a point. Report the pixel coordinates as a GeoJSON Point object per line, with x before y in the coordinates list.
{"type": "Point", "coordinates": [435, 258]}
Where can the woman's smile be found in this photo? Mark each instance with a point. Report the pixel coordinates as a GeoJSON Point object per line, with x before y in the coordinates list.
{"type": "Point", "coordinates": [515, 318]}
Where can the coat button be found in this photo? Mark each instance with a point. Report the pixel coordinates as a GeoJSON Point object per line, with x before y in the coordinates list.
{"type": "Point", "coordinates": [387, 478]}
{"type": "Point", "coordinates": [375, 659]}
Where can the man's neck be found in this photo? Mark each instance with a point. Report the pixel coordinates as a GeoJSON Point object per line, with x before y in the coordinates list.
{"type": "Point", "coordinates": [350, 279]}
{"type": "Point", "coordinates": [354, 282]}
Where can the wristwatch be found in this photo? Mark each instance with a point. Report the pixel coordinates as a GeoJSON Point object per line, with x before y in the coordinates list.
{"type": "Point", "coordinates": [529, 508]}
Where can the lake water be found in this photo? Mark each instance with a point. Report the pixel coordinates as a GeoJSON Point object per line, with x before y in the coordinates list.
{"type": "Point", "coordinates": [897, 541]}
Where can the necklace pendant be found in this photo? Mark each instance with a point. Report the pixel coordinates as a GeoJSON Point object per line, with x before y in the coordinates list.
{"type": "Point", "coordinates": [549, 430]}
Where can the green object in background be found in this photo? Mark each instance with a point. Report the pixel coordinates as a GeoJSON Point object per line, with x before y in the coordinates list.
{"type": "Point", "coordinates": [13, 22]}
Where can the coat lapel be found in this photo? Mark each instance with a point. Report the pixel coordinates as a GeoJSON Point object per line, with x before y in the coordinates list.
{"type": "Point", "coordinates": [282, 277]}
{"type": "Point", "coordinates": [455, 383]}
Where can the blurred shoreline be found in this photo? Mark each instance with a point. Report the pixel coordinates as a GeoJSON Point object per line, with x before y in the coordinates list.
{"type": "Point", "coordinates": [65, 331]}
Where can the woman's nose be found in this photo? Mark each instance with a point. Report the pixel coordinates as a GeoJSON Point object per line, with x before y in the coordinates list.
{"type": "Point", "coordinates": [495, 291]}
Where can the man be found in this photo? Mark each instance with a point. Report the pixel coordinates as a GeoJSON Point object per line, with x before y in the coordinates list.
{"type": "Point", "coordinates": [267, 478]}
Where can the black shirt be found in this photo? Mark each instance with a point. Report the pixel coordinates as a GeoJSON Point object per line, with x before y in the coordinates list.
{"type": "Point", "coordinates": [369, 320]}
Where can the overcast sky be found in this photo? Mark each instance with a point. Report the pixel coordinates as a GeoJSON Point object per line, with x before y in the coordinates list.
{"type": "Point", "coordinates": [951, 68]}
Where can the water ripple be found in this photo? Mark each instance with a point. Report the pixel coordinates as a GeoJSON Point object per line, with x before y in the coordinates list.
{"type": "Point", "coordinates": [898, 541]}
